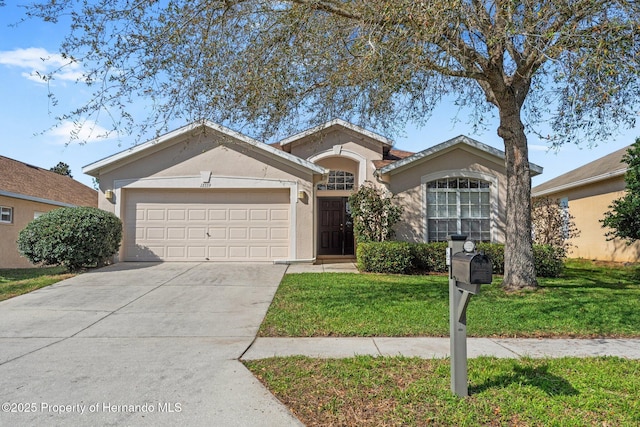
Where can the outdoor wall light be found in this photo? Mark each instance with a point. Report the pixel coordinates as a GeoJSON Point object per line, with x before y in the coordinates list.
{"type": "Point", "coordinates": [301, 195]}
{"type": "Point", "coordinates": [109, 195]}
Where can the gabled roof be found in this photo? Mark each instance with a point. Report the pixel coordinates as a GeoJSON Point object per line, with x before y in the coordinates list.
{"type": "Point", "coordinates": [127, 155]}
{"type": "Point", "coordinates": [335, 123]}
{"type": "Point", "coordinates": [438, 149]}
{"type": "Point", "coordinates": [24, 181]}
{"type": "Point", "coordinates": [606, 167]}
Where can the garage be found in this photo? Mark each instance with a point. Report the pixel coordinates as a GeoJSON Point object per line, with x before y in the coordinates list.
{"type": "Point", "coordinates": [206, 225]}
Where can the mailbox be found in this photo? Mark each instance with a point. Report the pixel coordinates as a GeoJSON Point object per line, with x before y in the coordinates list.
{"type": "Point", "coordinates": [471, 268]}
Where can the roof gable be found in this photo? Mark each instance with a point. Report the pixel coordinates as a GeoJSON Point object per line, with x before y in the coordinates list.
{"type": "Point", "coordinates": [333, 124]}
{"type": "Point", "coordinates": [25, 181]}
{"type": "Point", "coordinates": [464, 141]}
{"type": "Point", "coordinates": [154, 145]}
{"type": "Point", "coordinates": [600, 169]}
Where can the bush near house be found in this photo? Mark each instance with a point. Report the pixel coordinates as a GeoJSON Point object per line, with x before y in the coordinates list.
{"type": "Point", "coordinates": [549, 260]}
{"type": "Point", "coordinates": [406, 258]}
{"type": "Point", "coordinates": [429, 257]}
{"type": "Point", "coordinates": [76, 238]}
{"type": "Point", "coordinates": [385, 257]}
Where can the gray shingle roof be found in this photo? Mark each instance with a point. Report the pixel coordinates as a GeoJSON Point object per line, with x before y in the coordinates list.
{"type": "Point", "coordinates": [605, 167]}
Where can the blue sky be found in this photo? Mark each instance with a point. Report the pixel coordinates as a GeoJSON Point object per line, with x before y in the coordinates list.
{"type": "Point", "coordinates": [26, 112]}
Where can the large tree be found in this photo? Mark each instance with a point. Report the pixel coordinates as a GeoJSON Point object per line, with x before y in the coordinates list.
{"type": "Point", "coordinates": [274, 65]}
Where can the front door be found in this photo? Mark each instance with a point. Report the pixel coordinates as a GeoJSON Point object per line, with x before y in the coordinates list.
{"type": "Point", "coordinates": [335, 227]}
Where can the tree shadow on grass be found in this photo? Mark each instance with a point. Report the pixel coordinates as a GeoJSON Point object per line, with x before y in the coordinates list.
{"type": "Point", "coordinates": [534, 376]}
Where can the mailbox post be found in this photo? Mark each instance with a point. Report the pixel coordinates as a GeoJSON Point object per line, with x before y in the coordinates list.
{"type": "Point", "coordinates": [467, 271]}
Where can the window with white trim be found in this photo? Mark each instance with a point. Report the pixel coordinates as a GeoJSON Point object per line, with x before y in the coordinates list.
{"type": "Point", "coordinates": [338, 180]}
{"type": "Point", "coordinates": [6, 215]}
{"type": "Point", "coordinates": [458, 206]}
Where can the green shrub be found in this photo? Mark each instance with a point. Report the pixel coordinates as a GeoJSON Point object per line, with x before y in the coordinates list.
{"type": "Point", "coordinates": [429, 257]}
{"type": "Point", "coordinates": [392, 257]}
{"type": "Point", "coordinates": [549, 260]}
{"type": "Point", "coordinates": [374, 214]}
{"type": "Point", "coordinates": [384, 257]}
{"type": "Point", "coordinates": [73, 237]}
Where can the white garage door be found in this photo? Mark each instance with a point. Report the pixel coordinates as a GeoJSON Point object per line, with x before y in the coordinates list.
{"type": "Point", "coordinates": [215, 225]}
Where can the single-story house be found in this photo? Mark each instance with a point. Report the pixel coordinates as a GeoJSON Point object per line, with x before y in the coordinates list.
{"type": "Point", "coordinates": [205, 192]}
{"type": "Point", "coordinates": [588, 191]}
{"type": "Point", "coordinates": [27, 192]}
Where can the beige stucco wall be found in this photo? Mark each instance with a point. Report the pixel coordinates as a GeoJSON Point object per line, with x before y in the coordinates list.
{"type": "Point", "coordinates": [340, 163]}
{"type": "Point", "coordinates": [23, 214]}
{"type": "Point", "coordinates": [587, 204]}
{"type": "Point", "coordinates": [223, 157]}
{"type": "Point", "coordinates": [360, 149]}
{"type": "Point", "coordinates": [455, 162]}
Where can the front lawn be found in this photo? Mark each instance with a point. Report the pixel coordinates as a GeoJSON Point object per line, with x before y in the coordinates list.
{"type": "Point", "coordinates": [367, 391]}
{"type": "Point", "coordinates": [18, 281]}
{"type": "Point", "coordinates": [588, 301]}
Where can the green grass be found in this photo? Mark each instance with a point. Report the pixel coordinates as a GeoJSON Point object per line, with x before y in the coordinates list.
{"type": "Point", "coordinates": [367, 391]}
{"type": "Point", "coordinates": [588, 301]}
{"type": "Point", "coordinates": [18, 281]}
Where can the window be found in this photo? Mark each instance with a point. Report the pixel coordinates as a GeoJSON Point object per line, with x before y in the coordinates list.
{"type": "Point", "coordinates": [338, 180]}
{"type": "Point", "coordinates": [6, 215]}
{"type": "Point", "coordinates": [566, 217]}
{"type": "Point", "coordinates": [37, 214]}
{"type": "Point", "coordinates": [458, 206]}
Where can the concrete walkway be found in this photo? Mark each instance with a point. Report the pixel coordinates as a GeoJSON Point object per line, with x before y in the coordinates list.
{"type": "Point", "coordinates": [439, 347]}
{"type": "Point", "coordinates": [327, 266]}
{"type": "Point", "coordinates": [139, 344]}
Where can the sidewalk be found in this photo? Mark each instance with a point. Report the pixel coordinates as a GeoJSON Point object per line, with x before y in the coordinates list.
{"type": "Point", "coordinates": [430, 348]}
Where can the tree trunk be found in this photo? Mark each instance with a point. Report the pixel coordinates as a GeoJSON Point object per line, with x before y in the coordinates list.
{"type": "Point", "coordinates": [519, 267]}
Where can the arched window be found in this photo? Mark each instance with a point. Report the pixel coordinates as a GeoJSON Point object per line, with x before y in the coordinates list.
{"type": "Point", "coordinates": [458, 206]}
{"type": "Point", "coordinates": [338, 180]}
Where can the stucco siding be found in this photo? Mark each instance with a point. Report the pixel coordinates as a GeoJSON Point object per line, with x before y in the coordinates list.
{"type": "Point", "coordinates": [407, 185]}
{"type": "Point", "coordinates": [23, 214]}
{"type": "Point", "coordinates": [587, 204]}
{"type": "Point", "coordinates": [363, 148]}
{"type": "Point", "coordinates": [190, 157]}
{"type": "Point", "coordinates": [180, 165]}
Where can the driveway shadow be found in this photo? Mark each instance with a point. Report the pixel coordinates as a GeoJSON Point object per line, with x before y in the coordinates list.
{"type": "Point", "coordinates": [535, 376]}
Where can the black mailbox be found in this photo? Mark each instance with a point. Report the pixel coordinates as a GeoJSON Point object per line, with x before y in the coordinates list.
{"type": "Point", "coordinates": [471, 268]}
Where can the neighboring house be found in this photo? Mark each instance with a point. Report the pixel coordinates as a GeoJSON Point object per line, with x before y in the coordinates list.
{"type": "Point", "coordinates": [25, 193]}
{"type": "Point", "coordinates": [587, 192]}
{"type": "Point", "coordinates": [205, 192]}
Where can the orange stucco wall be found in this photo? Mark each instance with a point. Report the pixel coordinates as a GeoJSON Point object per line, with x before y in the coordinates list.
{"type": "Point", "coordinates": [23, 214]}
{"type": "Point", "coordinates": [587, 204]}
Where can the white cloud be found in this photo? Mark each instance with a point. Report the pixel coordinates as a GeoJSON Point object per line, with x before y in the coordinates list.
{"type": "Point", "coordinates": [38, 61]}
{"type": "Point", "coordinates": [85, 131]}
{"type": "Point", "coordinates": [536, 147]}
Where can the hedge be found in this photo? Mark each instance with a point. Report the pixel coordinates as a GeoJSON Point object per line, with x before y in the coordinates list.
{"type": "Point", "coordinates": [407, 258]}
{"type": "Point", "coordinates": [385, 257]}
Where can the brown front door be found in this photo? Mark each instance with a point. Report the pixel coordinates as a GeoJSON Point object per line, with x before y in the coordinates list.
{"type": "Point", "coordinates": [335, 228]}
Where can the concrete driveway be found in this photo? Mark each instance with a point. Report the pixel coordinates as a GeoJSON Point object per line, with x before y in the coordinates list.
{"type": "Point", "coordinates": [139, 344]}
